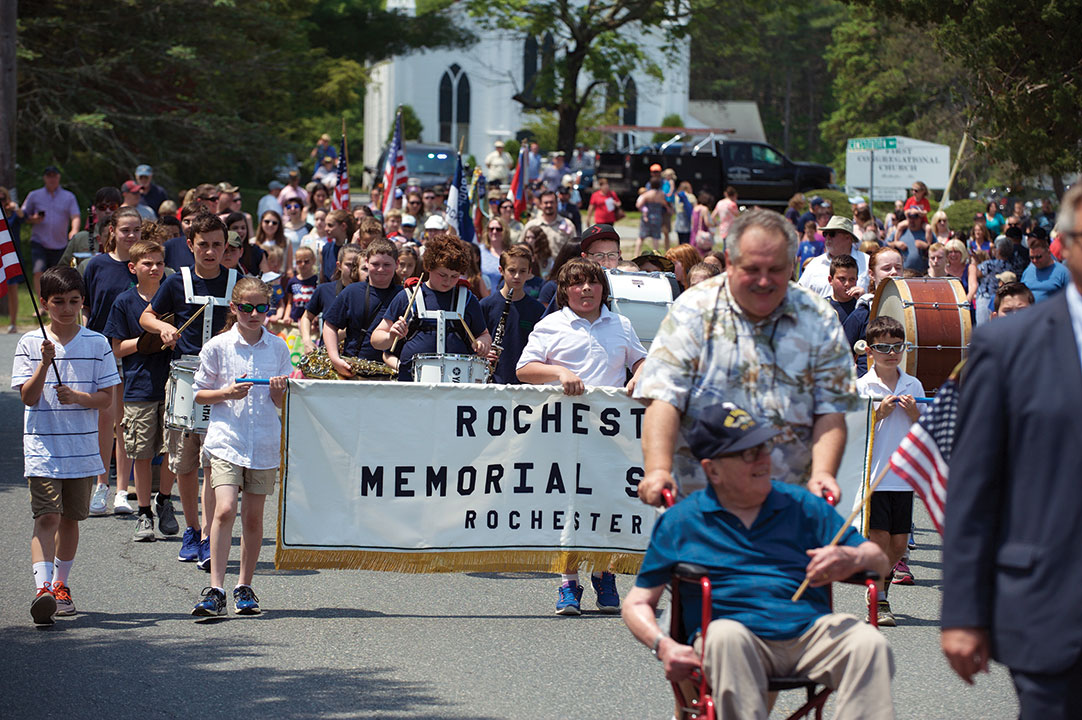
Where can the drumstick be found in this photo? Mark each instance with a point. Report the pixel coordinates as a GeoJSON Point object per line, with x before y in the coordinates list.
{"type": "Point", "coordinates": [845, 526]}
{"type": "Point", "coordinates": [409, 308]}
{"type": "Point", "coordinates": [473, 340]}
{"type": "Point", "coordinates": [190, 320]}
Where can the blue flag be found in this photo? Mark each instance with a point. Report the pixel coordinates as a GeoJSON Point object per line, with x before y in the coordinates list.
{"type": "Point", "coordinates": [458, 203]}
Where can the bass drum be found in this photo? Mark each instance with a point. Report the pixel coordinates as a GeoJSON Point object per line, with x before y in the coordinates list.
{"type": "Point", "coordinates": [450, 368]}
{"type": "Point", "coordinates": [937, 322]}
{"type": "Point", "coordinates": [643, 298]}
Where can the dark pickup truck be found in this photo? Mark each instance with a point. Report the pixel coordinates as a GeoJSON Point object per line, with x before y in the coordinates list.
{"type": "Point", "coordinates": [760, 173]}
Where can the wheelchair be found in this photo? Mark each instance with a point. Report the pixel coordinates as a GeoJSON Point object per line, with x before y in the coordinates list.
{"type": "Point", "coordinates": [693, 697]}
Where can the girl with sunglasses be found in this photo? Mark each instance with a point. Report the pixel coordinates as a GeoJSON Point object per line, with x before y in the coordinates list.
{"type": "Point", "coordinates": [271, 233]}
{"type": "Point", "coordinates": [243, 437]}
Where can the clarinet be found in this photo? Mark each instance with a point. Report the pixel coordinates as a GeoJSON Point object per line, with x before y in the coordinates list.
{"type": "Point", "coordinates": [497, 339]}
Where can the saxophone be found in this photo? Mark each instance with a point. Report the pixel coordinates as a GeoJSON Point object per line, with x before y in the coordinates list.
{"type": "Point", "coordinates": [497, 338]}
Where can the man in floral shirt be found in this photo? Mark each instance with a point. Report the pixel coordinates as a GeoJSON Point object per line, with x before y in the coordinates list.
{"type": "Point", "coordinates": [753, 338]}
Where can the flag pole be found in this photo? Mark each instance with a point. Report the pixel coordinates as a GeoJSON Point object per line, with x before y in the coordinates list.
{"type": "Point", "coordinates": [845, 526]}
{"type": "Point", "coordinates": [29, 285]}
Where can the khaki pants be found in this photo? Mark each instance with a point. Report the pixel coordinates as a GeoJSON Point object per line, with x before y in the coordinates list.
{"type": "Point", "coordinates": [838, 651]}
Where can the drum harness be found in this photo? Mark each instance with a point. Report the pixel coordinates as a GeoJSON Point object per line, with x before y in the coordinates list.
{"type": "Point", "coordinates": [440, 317]}
{"type": "Point", "coordinates": [192, 299]}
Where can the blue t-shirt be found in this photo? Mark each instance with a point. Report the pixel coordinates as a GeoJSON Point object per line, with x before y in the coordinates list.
{"type": "Point", "coordinates": [844, 309]}
{"type": "Point", "coordinates": [322, 297]}
{"type": "Point", "coordinates": [105, 279]}
{"type": "Point", "coordinates": [424, 339]}
{"type": "Point", "coordinates": [522, 316]}
{"type": "Point", "coordinates": [170, 299]}
{"type": "Point", "coordinates": [1047, 282]}
{"type": "Point", "coordinates": [806, 251]}
{"type": "Point", "coordinates": [300, 292]}
{"type": "Point", "coordinates": [250, 260]}
{"type": "Point", "coordinates": [144, 375]}
{"type": "Point", "coordinates": [753, 571]}
{"type": "Point", "coordinates": [348, 311]}
{"type": "Point", "coordinates": [547, 293]}
{"type": "Point", "coordinates": [914, 258]}
{"type": "Point", "coordinates": [177, 253]}
{"type": "Point", "coordinates": [328, 260]}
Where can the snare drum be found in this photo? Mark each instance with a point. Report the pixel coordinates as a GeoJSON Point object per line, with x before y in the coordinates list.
{"type": "Point", "coordinates": [181, 410]}
{"type": "Point", "coordinates": [937, 322]}
{"type": "Point", "coordinates": [643, 298]}
{"type": "Point", "coordinates": [450, 368]}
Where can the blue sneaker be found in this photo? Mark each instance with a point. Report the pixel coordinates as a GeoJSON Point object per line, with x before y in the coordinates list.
{"type": "Point", "coordinates": [568, 597]}
{"type": "Point", "coordinates": [189, 545]}
{"type": "Point", "coordinates": [608, 599]}
{"type": "Point", "coordinates": [212, 604]}
{"type": "Point", "coordinates": [244, 601]}
{"type": "Point", "coordinates": [204, 555]}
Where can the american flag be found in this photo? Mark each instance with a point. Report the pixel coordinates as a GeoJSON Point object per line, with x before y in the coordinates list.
{"type": "Point", "coordinates": [394, 169]}
{"type": "Point", "coordinates": [517, 191]}
{"type": "Point", "coordinates": [10, 267]}
{"type": "Point", "coordinates": [921, 458]}
{"type": "Point", "coordinates": [340, 201]}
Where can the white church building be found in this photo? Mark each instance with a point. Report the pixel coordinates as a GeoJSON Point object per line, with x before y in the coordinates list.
{"type": "Point", "coordinates": [467, 92]}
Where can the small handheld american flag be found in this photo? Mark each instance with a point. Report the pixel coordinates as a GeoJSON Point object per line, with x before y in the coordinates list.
{"type": "Point", "coordinates": [340, 201]}
{"type": "Point", "coordinates": [921, 458]}
{"type": "Point", "coordinates": [10, 267]}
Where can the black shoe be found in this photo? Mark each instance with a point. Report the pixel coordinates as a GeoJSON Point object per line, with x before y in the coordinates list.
{"type": "Point", "coordinates": [212, 604]}
{"type": "Point", "coordinates": [167, 518]}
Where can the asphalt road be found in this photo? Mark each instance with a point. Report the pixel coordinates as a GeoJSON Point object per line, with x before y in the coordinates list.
{"type": "Point", "coordinates": [345, 644]}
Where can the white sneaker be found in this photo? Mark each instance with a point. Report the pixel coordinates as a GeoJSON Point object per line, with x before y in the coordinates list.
{"type": "Point", "coordinates": [99, 500]}
{"type": "Point", "coordinates": [121, 505]}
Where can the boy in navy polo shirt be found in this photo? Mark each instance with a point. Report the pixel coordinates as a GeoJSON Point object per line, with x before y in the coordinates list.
{"type": "Point", "coordinates": [843, 277]}
{"type": "Point", "coordinates": [208, 278]}
{"type": "Point", "coordinates": [359, 308]}
{"type": "Point", "coordinates": [522, 315]}
{"type": "Point", "coordinates": [144, 389]}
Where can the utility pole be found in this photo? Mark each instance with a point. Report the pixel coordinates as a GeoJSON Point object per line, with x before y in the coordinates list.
{"type": "Point", "coordinates": [9, 10]}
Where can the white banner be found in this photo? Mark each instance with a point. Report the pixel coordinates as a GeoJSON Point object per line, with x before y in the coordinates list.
{"type": "Point", "coordinates": [896, 169]}
{"type": "Point", "coordinates": [420, 478]}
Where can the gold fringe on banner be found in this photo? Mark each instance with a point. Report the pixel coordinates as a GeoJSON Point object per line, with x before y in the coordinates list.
{"type": "Point", "coordinates": [553, 561]}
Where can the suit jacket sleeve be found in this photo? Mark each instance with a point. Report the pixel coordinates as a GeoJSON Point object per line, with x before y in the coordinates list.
{"type": "Point", "coordinates": [975, 493]}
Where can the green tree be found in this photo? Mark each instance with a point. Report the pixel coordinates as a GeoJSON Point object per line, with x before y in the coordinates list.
{"type": "Point", "coordinates": [593, 48]}
{"type": "Point", "coordinates": [1026, 71]}
{"type": "Point", "coordinates": [672, 120]}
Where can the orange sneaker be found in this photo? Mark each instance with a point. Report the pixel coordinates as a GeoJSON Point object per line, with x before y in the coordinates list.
{"type": "Point", "coordinates": [43, 607]}
{"type": "Point", "coordinates": [64, 605]}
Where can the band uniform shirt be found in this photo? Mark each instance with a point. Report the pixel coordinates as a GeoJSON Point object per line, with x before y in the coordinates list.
{"type": "Point", "coordinates": [348, 311]}
{"type": "Point", "coordinates": [246, 432]}
{"type": "Point", "coordinates": [424, 340]}
{"type": "Point", "coordinates": [753, 571]}
{"type": "Point", "coordinates": [178, 254]}
{"type": "Point", "coordinates": [105, 279]}
{"type": "Point", "coordinates": [61, 441]}
{"type": "Point", "coordinates": [521, 319]}
{"type": "Point", "coordinates": [784, 370]}
{"type": "Point", "coordinates": [144, 375]}
{"type": "Point", "coordinates": [170, 299]}
{"type": "Point", "coordinates": [599, 352]}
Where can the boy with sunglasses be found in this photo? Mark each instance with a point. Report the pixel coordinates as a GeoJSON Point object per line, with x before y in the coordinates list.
{"type": "Point", "coordinates": [891, 508]}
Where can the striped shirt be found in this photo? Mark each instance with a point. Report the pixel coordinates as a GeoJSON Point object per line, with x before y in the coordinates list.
{"type": "Point", "coordinates": [61, 441]}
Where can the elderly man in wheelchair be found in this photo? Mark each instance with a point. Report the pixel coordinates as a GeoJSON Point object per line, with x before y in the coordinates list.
{"type": "Point", "coordinates": [758, 540]}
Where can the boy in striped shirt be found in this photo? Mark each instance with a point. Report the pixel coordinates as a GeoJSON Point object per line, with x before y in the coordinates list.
{"type": "Point", "coordinates": [60, 432]}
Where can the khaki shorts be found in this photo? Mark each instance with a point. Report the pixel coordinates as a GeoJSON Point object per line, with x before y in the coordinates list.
{"type": "Point", "coordinates": [69, 497]}
{"type": "Point", "coordinates": [256, 482]}
{"type": "Point", "coordinates": [185, 449]}
{"type": "Point", "coordinates": [143, 424]}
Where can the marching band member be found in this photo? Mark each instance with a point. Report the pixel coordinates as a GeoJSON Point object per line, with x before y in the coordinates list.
{"type": "Point", "coordinates": [243, 437]}
{"type": "Point", "coordinates": [445, 260]}
{"type": "Point", "coordinates": [182, 294]}
{"type": "Point", "coordinates": [359, 308]}
{"type": "Point", "coordinates": [344, 273]}
{"type": "Point", "coordinates": [584, 343]}
{"type": "Point", "coordinates": [510, 313]}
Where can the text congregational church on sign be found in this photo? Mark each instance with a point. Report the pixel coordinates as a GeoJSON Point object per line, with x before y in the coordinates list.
{"type": "Point", "coordinates": [467, 92]}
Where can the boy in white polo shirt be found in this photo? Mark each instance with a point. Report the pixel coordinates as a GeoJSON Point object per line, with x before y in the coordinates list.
{"type": "Point", "coordinates": [584, 343]}
{"type": "Point", "coordinates": [891, 507]}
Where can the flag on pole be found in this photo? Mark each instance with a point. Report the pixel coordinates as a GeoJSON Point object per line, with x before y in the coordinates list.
{"type": "Point", "coordinates": [340, 201]}
{"type": "Point", "coordinates": [517, 193]}
{"type": "Point", "coordinates": [10, 267]}
{"type": "Point", "coordinates": [921, 458]}
{"type": "Point", "coordinates": [458, 203]}
{"type": "Point", "coordinates": [394, 168]}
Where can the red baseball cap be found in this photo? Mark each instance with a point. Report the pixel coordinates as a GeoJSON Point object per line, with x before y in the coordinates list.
{"type": "Point", "coordinates": [131, 186]}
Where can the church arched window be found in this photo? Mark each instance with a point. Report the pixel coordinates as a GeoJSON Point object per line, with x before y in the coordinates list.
{"type": "Point", "coordinates": [454, 110]}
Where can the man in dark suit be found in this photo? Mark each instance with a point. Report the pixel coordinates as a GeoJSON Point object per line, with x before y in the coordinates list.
{"type": "Point", "coordinates": [1011, 561]}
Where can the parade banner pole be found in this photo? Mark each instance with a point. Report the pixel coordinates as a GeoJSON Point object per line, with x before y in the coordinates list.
{"type": "Point", "coordinates": [29, 284]}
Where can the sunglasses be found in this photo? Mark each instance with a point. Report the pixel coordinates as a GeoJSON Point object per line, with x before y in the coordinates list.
{"type": "Point", "coordinates": [269, 221]}
{"type": "Point", "coordinates": [414, 202]}
{"type": "Point", "coordinates": [496, 229]}
{"type": "Point", "coordinates": [750, 455]}
{"type": "Point", "coordinates": [293, 206]}
{"type": "Point", "coordinates": [888, 348]}
{"type": "Point", "coordinates": [211, 198]}
{"type": "Point", "coordinates": [248, 307]}
{"type": "Point", "coordinates": [108, 207]}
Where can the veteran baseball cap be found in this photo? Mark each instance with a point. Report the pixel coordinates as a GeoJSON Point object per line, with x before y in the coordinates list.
{"type": "Point", "coordinates": [724, 429]}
